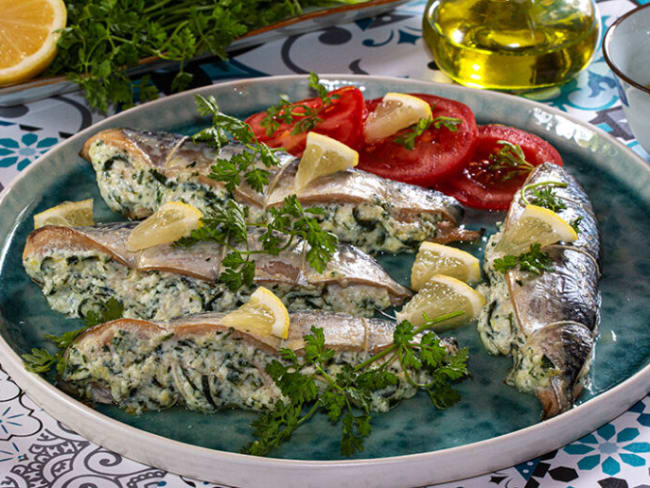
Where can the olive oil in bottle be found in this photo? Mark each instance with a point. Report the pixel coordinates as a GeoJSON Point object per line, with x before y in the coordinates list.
{"type": "Point", "coordinates": [511, 44]}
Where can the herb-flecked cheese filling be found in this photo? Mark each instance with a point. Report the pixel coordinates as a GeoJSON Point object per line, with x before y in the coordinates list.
{"type": "Point", "coordinates": [500, 332]}
{"type": "Point", "coordinates": [137, 191]}
{"type": "Point", "coordinates": [75, 283]}
{"type": "Point", "coordinates": [204, 372]}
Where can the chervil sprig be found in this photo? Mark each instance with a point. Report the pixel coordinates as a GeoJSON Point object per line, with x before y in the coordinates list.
{"type": "Point", "coordinates": [41, 360]}
{"type": "Point", "coordinates": [509, 161]}
{"type": "Point", "coordinates": [308, 386]}
{"type": "Point", "coordinates": [535, 261]}
{"type": "Point", "coordinates": [543, 195]}
{"type": "Point", "coordinates": [407, 139]}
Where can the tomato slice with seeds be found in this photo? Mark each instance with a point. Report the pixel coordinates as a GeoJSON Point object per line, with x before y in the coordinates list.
{"type": "Point", "coordinates": [482, 184]}
{"type": "Point", "coordinates": [341, 120]}
{"type": "Point", "coordinates": [438, 152]}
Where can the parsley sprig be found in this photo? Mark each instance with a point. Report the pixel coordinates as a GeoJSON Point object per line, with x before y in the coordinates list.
{"type": "Point", "coordinates": [228, 225]}
{"type": "Point", "coordinates": [304, 116]}
{"type": "Point", "coordinates": [41, 360]}
{"type": "Point", "coordinates": [535, 261]}
{"type": "Point", "coordinates": [407, 139]}
{"type": "Point", "coordinates": [509, 162]}
{"type": "Point", "coordinates": [543, 195]}
{"type": "Point", "coordinates": [309, 387]}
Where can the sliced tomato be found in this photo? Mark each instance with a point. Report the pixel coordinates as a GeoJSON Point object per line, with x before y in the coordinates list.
{"type": "Point", "coordinates": [341, 120]}
{"type": "Point", "coordinates": [438, 153]}
{"type": "Point", "coordinates": [479, 186]}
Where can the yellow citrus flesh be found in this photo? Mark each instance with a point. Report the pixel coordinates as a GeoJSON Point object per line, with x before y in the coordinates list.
{"type": "Point", "coordinates": [70, 214]}
{"type": "Point", "coordinates": [323, 156]}
{"type": "Point", "coordinates": [264, 314]}
{"type": "Point", "coordinates": [395, 112]}
{"type": "Point", "coordinates": [535, 225]}
{"type": "Point", "coordinates": [442, 295]}
{"type": "Point", "coordinates": [169, 223]}
{"type": "Point", "coordinates": [28, 37]}
{"type": "Point", "coordinates": [433, 259]}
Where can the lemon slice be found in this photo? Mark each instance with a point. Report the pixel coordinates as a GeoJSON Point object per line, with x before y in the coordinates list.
{"type": "Point", "coordinates": [323, 156]}
{"type": "Point", "coordinates": [264, 314]}
{"type": "Point", "coordinates": [395, 112]}
{"type": "Point", "coordinates": [70, 214]}
{"type": "Point", "coordinates": [169, 223]}
{"type": "Point", "coordinates": [28, 37]}
{"type": "Point", "coordinates": [441, 295]}
{"type": "Point", "coordinates": [433, 259]}
{"type": "Point", "coordinates": [535, 225]}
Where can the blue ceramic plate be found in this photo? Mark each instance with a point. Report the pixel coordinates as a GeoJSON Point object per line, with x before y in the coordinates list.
{"type": "Point", "coordinates": [492, 427]}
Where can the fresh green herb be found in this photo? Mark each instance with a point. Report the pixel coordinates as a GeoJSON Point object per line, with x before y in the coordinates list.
{"type": "Point", "coordinates": [407, 139]}
{"type": "Point", "coordinates": [543, 195]}
{"type": "Point", "coordinates": [347, 396]}
{"type": "Point", "coordinates": [575, 223]}
{"type": "Point", "coordinates": [509, 161]}
{"type": "Point", "coordinates": [105, 40]}
{"type": "Point", "coordinates": [304, 116]}
{"type": "Point", "coordinates": [228, 224]}
{"type": "Point", "coordinates": [41, 360]}
{"type": "Point", "coordinates": [535, 261]}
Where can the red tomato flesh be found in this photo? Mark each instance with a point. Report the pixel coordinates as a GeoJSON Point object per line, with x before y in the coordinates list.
{"type": "Point", "coordinates": [342, 120]}
{"type": "Point", "coordinates": [479, 187]}
{"type": "Point", "coordinates": [438, 153]}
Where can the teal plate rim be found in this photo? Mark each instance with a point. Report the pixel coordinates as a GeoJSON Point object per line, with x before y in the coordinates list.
{"type": "Point", "coordinates": [414, 469]}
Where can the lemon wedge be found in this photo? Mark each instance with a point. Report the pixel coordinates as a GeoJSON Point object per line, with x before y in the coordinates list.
{"type": "Point", "coordinates": [442, 295]}
{"type": "Point", "coordinates": [395, 112]}
{"type": "Point", "coordinates": [433, 259]}
{"type": "Point", "coordinates": [535, 225]}
{"type": "Point", "coordinates": [264, 314]}
{"type": "Point", "coordinates": [323, 156]}
{"type": "Point", "coordinates": [28, 37]}
{"type": "Point", "coordinates": [70, 214]}
{"type": "Point", "coordinates": [169, 223]}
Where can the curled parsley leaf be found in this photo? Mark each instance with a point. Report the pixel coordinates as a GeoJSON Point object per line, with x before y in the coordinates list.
{"type": "Point", "coordinates": [308, 386]}
{"type": "Point", "coordinates": [534, 261]}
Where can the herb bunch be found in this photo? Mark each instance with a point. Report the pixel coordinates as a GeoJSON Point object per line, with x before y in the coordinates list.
{"type": "Point", "coordinates": [509, 162]}
{"type": "Point", "coordinates": [106, 38]}
{"type": "Point", "coordinates": [543, 195]}
{"type": "Point", "coordinates": [309, 387]}
{"type": "Point", "coordinates": [228, 225]}
{"type": "Point", "coordinates": [40, 360]}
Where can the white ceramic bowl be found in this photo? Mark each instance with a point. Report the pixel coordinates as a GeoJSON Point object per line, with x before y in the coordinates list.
{"type": "Point", "coordinates": [627, 51]}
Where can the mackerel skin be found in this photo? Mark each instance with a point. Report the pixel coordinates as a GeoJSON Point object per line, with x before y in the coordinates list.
{"type": "Point", "coordinates": [555, 314]}
{"type": "Point", "coordinates": [204, 363]}
{"type": "Point", "coordinates": [137, 171]}
{"type": "Point", "coordinates": [349, 275]}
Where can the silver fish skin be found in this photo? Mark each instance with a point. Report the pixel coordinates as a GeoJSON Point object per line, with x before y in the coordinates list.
{"type": "Point", "coordinates": [81, 267]}
{"type": "Point", "coordinates": [137, 171]}
{"type": "Point", "coordinates": [548, 322]}
{"type": "Point", "coordinates": [205, 363]}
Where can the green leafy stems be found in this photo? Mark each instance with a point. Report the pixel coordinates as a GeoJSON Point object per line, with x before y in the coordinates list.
{"type": "Point", "coordinates": [307, 116]}
{"type": "Point", "coordinates": [346, 396]}
{"type": "Point", "coordinates": [41, 360]}
{"type": "Point", "coordinates": [407, 139]}
{"type": "Point", "coordinates": [106, 40]}
{"type": "Point", "coordinates": [543, 195]}
{"type": "Point", "coordinates": [229, 225]}
{"type": "Point", "coordinates": [509, 162]}
{"type": "Point", "coordinates": [534, 261]}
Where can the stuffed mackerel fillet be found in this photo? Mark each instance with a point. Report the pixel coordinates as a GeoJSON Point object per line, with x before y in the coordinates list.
{"type": "Point", "coordinates": [205, 363]}
{"type": "Point", "coordinates": [137, 171]}
{"type": "Point", "coordinates": [80, 268]}
{"type": "Point", "coordinates": [547, 322]}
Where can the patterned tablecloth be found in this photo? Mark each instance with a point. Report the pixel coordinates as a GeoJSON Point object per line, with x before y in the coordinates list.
{"type": "Point", "coordinates": [38, 451]}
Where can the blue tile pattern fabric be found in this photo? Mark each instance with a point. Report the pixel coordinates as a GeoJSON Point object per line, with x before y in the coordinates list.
{"type": "Point", "coordinates": [37, 451]}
